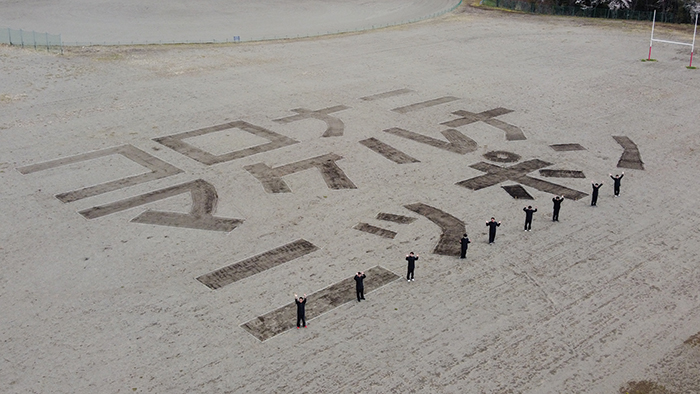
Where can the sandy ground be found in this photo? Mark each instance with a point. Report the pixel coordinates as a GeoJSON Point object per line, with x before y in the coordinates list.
{"type": "Point", "coordinates": [180, 21]}
{"type": "Point", "coordinates": [604, 297]}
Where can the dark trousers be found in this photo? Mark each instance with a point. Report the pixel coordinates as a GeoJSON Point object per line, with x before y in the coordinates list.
{"type": "Point", "coordinates": [464, 253]}
{"type": "Point", "coordinates": [360, 293]}
{"type": "Point", "coordinates": [301, 318]}
{"type": "Point", "coordinates": [617, 190]}
{"type": "Point", "coordinates": [528, 224]}
{"type": "Point", "coordinates": [409, 275]}
{"type": "Point", "coordinates": [555, 216]}
{"type": "Point", "coordinates": [594, 199]}
{"type": "Point", "coordinates": [492, 237]}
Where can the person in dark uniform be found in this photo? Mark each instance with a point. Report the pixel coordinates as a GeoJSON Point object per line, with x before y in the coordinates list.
{"type": "Point", "coordinates": [616, 186]}
{"type": "Point", "coordinates": [557, 205]}
{"type": "Point", "coordinates": [529, 210]}
{"type": "Point", "coordinates": [411, 258]}
{"type": "Point", "coordinates": [594, 196]}
{"type": "Point", "coordinates": [492, 229]}
{"type": "Point", "coordinates": [465, 244]}
{"type": "Point", "coordinates": [301, 309]}
{"type": "Point", "coordinates": [359, 286]}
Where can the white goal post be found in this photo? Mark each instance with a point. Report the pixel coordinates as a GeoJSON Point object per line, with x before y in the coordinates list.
{"type": "Point", "coordinates": [692, 45]}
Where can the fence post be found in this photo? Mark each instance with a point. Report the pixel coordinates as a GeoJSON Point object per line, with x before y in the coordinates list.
{"type": "Point", "coordinates": [60, 41]}
{"type": "Point", "coordinates": [9, 35]}
{"type": "Point", "coordinates": [34, 38]}
{"type": "Point", "coordinates": [21, 38]}
{"type": "Point", "coordinates": [47, 42]}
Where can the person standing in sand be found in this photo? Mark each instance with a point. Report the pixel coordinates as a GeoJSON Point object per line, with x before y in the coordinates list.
{"type": "Point", "coordinates": [465, 244]}
{"type": "Point", "coordinates": [492, 229]}
{"type": "Point", "coordinates": [360, 286]}
{"type": "Point", "coordinates": [616, 186]}
{"type": "Point", "coordinates": [301, 309]}
{"type": "Point", "coordinates": [529, 210]}
{"type": "Point", "coordinates": [411, 258]}
{"type": "Point", "coordinates": [557, 200]}
{"type": "Point", "coordinates": [594, 196]}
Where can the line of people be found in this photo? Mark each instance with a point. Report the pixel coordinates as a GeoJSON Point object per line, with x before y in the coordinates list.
{"type": "Point", "coordinates": [411, 258]}
{"type": "Point", "coordinates": [529, 210]}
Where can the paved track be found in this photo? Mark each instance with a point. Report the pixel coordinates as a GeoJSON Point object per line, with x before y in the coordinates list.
{"type": "Point", "coordinates": [112, 22]}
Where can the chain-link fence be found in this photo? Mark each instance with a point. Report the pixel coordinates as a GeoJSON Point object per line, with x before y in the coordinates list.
{"type": "Point", "coordinates": [31, 39]}
{"type": "Point", "coordinates": [540, 8]}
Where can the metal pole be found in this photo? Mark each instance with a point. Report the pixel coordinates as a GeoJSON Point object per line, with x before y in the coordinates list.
{"type": "Point", "coordinates": [21, 38]}
{"type": "Point", "coordinates": [692, 47]}
{"type": "Point", "coordinates": [9, 35]}
{"type": "Point", "coordinates": [47, 42]}
{"type": "Point", "coordinates": [34, 38]}
{"type": "Point", "coordinates": [651, 41]}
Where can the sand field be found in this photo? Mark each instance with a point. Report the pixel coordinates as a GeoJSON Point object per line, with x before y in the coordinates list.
{"type": "Point", "coordinates": [134, 176]}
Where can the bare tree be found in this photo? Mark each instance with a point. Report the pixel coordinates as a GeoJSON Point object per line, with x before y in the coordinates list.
{"type": "Point", "coordinates": [693, 6]}
{"type": "Point", "coordinates": [612, 4]}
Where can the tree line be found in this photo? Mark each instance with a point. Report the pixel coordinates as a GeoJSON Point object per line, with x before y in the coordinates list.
{"type": "Point", "coordinates": [684, 11]}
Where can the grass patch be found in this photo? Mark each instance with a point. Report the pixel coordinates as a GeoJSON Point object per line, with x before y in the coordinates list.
{"type": "Point", "coordinates": [648, 60]}
{"type": "Point", "coordinates": [644, 387]}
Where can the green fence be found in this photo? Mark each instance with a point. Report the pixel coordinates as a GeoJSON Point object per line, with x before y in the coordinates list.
{"type": "Point", "coordinates": [31, 39]}
{"type": "Point", "coordinates": [539, 8]}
